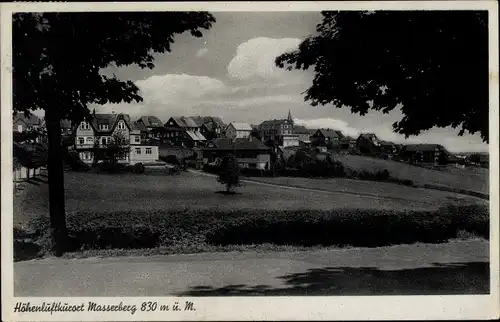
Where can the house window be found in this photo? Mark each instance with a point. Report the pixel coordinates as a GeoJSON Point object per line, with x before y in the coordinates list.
{"type": "Point", "coordinates": [148, 151]}
{"type": "Point", "coordinates": [84, 126]}
{"type": "Point", "coordinates": [137, 139]}
{"type": "Point", "coordinates": [121, 126]}
{"type": "Point", "coordinates": [89, 140]}
{"type": "Point", "coordinates": [103, 141]}
{"type": "Point", "coordinates": [86, 156]}
{"type": "Point", "coordinates": [137, 150]}
{"type": "Point", "coordinates": [81, 141]}
{"type": "Point", "coordinates": [103, 127]}
{"type": "Point", "coordinates": [108, 140]}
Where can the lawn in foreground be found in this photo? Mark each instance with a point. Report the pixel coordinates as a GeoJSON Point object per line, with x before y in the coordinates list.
{"type": "Point", "coordinates": [90, 192]}
{"type": "Point", "coordinates": [185, 214]}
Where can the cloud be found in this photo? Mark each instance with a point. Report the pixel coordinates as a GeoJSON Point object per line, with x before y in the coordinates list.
{"type": "Point", "coordinates": [202, 52]}
{"type": "Point", "coordinates": [255, 58]}
{"type": "Point", "coordinates": [170, 95]}
{"type": "Point", "coordinates": [166, 87]}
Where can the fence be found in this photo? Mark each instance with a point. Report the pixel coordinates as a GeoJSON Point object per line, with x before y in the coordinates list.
{"type": "Point", "coordinates": [22, 174]}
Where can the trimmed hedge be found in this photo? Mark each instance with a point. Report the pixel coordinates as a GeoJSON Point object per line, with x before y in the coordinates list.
{"type": "Point", "coordinates": [193, 229]}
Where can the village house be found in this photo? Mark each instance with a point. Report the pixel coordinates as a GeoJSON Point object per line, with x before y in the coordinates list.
{"type": "Point", "coordinates": [368, 143]}
{"type": "Point", "coordinates": [211, 127]}
{"type": "Point", "coordinates": [103, 129]}
{"type": "Point", "coordinates": [327, 137]}
{"type": "Point", "coordinates": [348, 143]}
{"type": "Point", "coordinates": [22, 123]}
{"type": "Point", "coordinates": [183, 131]}
{"type": "Point", "coordinates": [152, 124]}
{"type": "Point", "coordinates": [250, 152]}
{"type": "Point", "coordinates": [303, 133]}
{"type": "Point", "coordinates": [279, 131]}
{"type": "Point", "coordinates": [238, 130]}
{"type": "Point", "coordinates": [424, 153]}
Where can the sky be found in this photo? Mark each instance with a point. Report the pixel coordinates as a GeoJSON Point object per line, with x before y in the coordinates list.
{"type": "Point", "coordinates": [230, 73]}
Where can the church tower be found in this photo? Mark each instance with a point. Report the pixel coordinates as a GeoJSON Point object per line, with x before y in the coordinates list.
{"type": "Point", "coordinates": [290, 119]}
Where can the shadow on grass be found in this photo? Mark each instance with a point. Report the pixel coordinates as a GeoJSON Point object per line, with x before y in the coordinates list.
{"type": "Point", "coordinates": [440, 279]}
{"type": "Point", "coordinates": [228, 193]}
{"type": "Point", "coordinates": [37, 179]}
{"type": "Point", "coordinates": [25, 251]}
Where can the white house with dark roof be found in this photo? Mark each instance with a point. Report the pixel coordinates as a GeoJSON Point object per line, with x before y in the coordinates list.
{"type": "Point", "coordinates": [237, 130]}
{"type": "Point", "coordinates": [100, 132]}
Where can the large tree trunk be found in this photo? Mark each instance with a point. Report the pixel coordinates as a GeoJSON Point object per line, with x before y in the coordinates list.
{"type": "Point", "coordinates": [56, 183]}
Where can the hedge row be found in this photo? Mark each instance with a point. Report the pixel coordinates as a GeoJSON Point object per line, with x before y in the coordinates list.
{"type": "Point", "coordinates": [364, 228]}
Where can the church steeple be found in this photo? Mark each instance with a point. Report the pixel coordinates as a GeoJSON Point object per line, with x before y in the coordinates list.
{"type": "Point", "coordinates": [290, 119]}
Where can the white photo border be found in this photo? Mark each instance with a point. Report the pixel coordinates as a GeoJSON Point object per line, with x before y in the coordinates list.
{"type": "Point", "coordinates": [257, 308]}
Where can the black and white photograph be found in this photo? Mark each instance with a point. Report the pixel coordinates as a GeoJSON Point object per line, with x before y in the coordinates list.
{"type": "Point", "coordinates": [181, 162]}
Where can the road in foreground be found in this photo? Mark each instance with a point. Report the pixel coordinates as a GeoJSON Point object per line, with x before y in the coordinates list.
{"type": "Point", "coordinates": [460, 267]}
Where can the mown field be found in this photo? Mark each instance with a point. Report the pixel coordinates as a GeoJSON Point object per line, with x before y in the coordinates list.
{"type": "Point", "coordinates": [474, 179]}
{"type": "Point", "coordinates": [185, 214]}
{"type": "Point", "coordinates": [99, 193]}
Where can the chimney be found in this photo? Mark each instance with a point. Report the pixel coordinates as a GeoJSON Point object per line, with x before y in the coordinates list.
{"type": "Point", "coordinates": [113, 112]}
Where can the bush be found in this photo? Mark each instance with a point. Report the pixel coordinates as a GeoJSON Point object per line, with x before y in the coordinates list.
{"type": "Point", "coordinates": [138, 168]}
{"type": "Point", "coordinates": [229, 174]}
{"type": "Point", "coordinates": [106, 166]}
{"type": "Point", "coordinates": [187, 230]}
{"type": "Point", "coordinates": [172, 159]}
{"type": "Point", "coordinates": [73, 161]}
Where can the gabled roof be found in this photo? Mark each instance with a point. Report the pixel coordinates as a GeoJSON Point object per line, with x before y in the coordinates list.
{"type": "Point", "coordinates": [208, 121]}
{"type": "Point", "coordinates": [195, 136]}
{"type": "Point", "coordinates": [111, 120]}
{"type": "Point", "coordinates": [31, 120]}
{"type": "Point", "coordinates": [299, 129]}
{"type": "Point", "coordinates": [241, 126]}
{"type": "Point", "coordinates": [368, 136]}
{"type": "Point", "coordinates": [184, 122]}
{"type": "Point", "coordinates": [328, 133]}
{"type": "Point", "coordinates": [189, 122]}
{"type": "Point", "coordinates": [273, 122]}
{"type": "Point", "coordinates": [150, 121]}
{"type": "Point", "coordinates": [140, 126]}
{"type": "Point", "coordinates": [388, 143]}
{"type": "Point", "coordinates": [238, 144]}
{"type": "Point", "coordinates": [423, 147]}
{"type": "Point", "coordinates": [198, 120]}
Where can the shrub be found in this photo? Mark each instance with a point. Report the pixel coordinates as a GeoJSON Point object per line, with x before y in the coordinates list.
{"type": "Point", "coordinates": [172, 159]}
{"type": "Point", "coordinates": [106, 166]}
{"type": "Point", "coordinates": [139, 168]}
{"type": "Point", "coordinates": [73, 161]}
{"type": "Point", "coordinates": [187, 230]}
{"type": "Point", "coordinates": [229, 174]}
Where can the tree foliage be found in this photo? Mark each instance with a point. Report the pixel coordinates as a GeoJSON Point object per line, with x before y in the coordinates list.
{"type": "Point", "coordinates": [229, 174]}
{"type": "Point", "coordinates": [431, 64]}
{"type": "Point", "coordinates": [58, 57]}
{"type": "Point", "coordinates": [57, 62]}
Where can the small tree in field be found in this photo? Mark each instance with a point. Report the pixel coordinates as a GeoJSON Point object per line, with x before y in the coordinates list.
{"type": "Point", "coordinates": [230, 173]}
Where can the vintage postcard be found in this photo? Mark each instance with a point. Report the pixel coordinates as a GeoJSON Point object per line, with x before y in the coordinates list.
{"type": "Point", "coordinates": [250, 161]}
